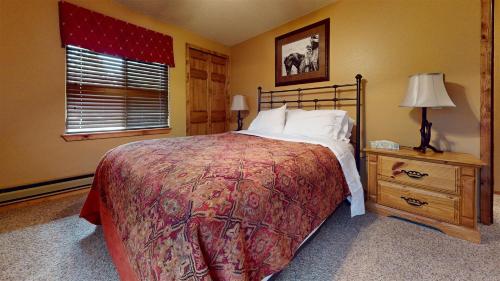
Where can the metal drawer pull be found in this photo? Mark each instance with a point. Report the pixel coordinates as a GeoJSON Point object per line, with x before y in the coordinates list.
{"type": "Point", "coordinates": [414, 202]}
{"type": "Point", "coordinates": [414, 174]}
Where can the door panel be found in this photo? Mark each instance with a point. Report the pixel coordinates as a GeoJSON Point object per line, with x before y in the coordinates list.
{"type": "Point", "coordinates": [218, 99]}
{"type": "Point", "coordinates": [198, 93]}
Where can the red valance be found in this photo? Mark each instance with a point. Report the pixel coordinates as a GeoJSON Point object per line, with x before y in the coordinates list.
{"type": "Point", "coordinates": [97, 32]}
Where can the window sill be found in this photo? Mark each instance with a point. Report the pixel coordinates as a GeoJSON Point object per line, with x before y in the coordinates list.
{"type": "Point", "coordinates": [116, 134]}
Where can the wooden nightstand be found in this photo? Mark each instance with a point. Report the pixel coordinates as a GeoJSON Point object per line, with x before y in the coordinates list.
{"type": "Point", "coordinates": [435, 189]}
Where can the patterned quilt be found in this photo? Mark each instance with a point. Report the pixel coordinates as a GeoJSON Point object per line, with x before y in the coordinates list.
{"type": "Point", "coordinates": [216, 207]}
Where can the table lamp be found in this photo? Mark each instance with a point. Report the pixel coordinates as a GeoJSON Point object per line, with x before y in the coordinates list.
{"type": "Point", "coordinates": [426, 90]}
{"type": "Point", "coordinates": [239, 104]}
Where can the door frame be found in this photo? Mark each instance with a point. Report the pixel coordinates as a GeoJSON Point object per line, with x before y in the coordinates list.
{"type": "Point", "coordinates": [486, 110]}
{"type": "Point", "coordinates": [228, 78]}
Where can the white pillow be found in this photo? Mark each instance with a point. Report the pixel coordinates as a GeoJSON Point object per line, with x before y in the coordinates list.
{"type": "Point", "coordinates": [331, 124]}
{"type": "Point", "coordinates": [292, 112]}
{"type": "Point", "coordinates": [346, 132]}
{"type": "Point", "coordinates": [269, 121]}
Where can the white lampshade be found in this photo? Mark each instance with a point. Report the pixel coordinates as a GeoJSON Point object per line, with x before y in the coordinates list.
{"type": "Point", "coordinates": [239, 103]}
{"type": "Point", "coordinates": [427, 90]}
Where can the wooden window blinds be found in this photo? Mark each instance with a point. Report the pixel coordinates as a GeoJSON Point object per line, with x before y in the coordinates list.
{"type": "Point", "coordinates": [106, 93]}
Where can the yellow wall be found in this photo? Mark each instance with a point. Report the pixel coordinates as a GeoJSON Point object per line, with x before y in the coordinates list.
{"type": "Point", "coordinates": [386, 41]}
{"type": "Point", "coordinates": [32, 94]}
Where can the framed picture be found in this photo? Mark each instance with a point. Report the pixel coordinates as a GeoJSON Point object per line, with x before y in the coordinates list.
{"type": "Point", "coordinates": [301, 56]}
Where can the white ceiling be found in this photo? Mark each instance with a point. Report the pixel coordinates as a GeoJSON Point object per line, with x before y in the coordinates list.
{"type": "Point", "coordinates": [226, 21]}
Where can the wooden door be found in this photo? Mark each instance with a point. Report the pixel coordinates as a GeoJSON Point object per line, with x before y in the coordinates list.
{"type": "Point", "coordinates": [207, 100]}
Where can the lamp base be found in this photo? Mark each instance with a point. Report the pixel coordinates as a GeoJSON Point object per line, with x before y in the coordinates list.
{"type": "Point", "coordinates": [422, 148]}
{"type": "Point", "coordinates": [425, 134]}
{"type": "Point", "coordinates": [240, 121]}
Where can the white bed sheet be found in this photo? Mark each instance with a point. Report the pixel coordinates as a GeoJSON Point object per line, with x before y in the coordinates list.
{"type": "Point", "coordinates": [344, 153]}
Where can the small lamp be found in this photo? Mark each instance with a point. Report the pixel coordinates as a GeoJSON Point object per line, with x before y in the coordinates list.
{"type": "Point", "coordinates": [239, 103]}
{"type": "Point", "coordinates": [426, 90]}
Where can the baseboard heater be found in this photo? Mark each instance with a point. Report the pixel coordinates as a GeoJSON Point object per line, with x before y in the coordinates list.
{"type": "Point", "coordinates": [37, 190]}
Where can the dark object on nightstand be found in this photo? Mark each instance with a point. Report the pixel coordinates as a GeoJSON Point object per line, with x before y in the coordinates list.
{"type": "Point", "coordinates": [425, 134]}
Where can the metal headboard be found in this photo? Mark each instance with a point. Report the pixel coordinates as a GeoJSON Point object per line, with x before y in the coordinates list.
{"type": "Point", "coordinates": [296, 96]}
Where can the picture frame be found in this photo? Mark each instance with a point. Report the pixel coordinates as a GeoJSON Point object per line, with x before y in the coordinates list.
{"type": "Point", "coordinates": [302, 56]}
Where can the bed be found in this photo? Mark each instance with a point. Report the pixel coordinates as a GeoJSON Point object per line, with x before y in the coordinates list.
{"type": "Point", "coordinates": [231, 206]}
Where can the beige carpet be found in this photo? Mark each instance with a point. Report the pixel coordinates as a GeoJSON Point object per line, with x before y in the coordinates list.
{"type": "Point", "coordinates": [49, 242]}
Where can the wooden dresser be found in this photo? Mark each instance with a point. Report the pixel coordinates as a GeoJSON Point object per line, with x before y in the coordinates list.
{"type": "Point", "coordinates": [435, 189]}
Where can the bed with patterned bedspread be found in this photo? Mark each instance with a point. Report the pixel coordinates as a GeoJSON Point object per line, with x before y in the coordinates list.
{"type": "Point", "coordinates": [216, 207]}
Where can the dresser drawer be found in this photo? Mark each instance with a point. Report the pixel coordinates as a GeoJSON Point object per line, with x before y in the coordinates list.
{"type": "Point", "coordinates": [422, 202]}
{"type": "Point", "coordinates": [434, 176]}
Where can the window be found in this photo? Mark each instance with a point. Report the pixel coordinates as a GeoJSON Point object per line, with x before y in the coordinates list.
{"type": "Point", "coordinates": [106, 93]}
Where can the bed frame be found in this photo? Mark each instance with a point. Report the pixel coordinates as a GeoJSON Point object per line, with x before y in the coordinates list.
{"type": "Point", "coordinates": [298, 97]}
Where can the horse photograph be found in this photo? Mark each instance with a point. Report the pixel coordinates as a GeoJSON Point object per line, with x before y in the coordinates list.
{"type": "Point", "coordinates": [301, 56]}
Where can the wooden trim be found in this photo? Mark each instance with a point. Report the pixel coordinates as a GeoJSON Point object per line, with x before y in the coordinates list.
{"type": "Point", "coordinates": [228, 94]}
{"type": "Point", "coordinates": [372, 177]}
{"type": "Point", "coordinates": [462, 159]}
{"type": "Point", "coordinates": [189, 45]}
{"type": "Point", "coordinates": [210, 87]}
{"type": "Point", "coordinates": [188, 100]}
{"type": "Point", "coordinates": [116, 134]}
{"type": "Point", "coordinates": [486, 112]}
